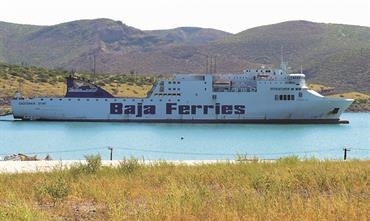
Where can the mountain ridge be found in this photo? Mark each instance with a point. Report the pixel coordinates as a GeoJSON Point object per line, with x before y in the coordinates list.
{"type": "Point", "coordinates": [331, 54]}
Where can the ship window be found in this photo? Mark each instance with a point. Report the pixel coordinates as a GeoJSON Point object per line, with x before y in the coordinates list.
{"type": "Point", "coordinates": [288, 97]}
{"type": "Point", "coordinates": [169, 82]}
{"type": "Point", "coordinates": [42, 99]}
{"type": "Point", "coordinates": [60, 99]}
{"type": "Point", "coordinates": [115, 99]}
{"type": "Point", "coordinates": [169, 89]}
{"type": "Point", "coordinates": [292, 97]}
{"type": "Point", "coordinates": [51, 99]}
{"type": "Point", "coordinates": [292, 89]}
{"type": "Point", "coordinates": [300, 94]}
{"type": "Point", "coordinates": [106, 99]}
{"type": "Point", "coordinates": [69, 99]}
{"type": "Point", "coordinates": [160, 99]}
{"type": "Point", "coordinates": [151, 99]}
{"type": "Point", "coordinates": [178, 82]}
{"type": "Point", "coordinates": [133, 99]}
{"type": "Point", "coordinates": [284, 97]}
{"type": "Point", "coordinates": [88, 99]}
{"type": "Point", "coordinates": [281, 97]}
{"type": "Point", "coordinates": [205, 89]}
{"type": "Point", "coordinates": [78, 99]}
{"type": "Point", "coordinates": [174, 82]}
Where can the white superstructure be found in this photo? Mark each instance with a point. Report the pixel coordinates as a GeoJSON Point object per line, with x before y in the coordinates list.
{"type": "Point", "coordinates": [256, 95]}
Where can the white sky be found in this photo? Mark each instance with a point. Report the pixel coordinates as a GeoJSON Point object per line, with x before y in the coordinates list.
{"type": "Point", "coordinates": [227, 15]}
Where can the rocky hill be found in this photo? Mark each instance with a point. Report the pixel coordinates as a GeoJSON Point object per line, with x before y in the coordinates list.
{"type": "Point", "coordinates": [331, 54]}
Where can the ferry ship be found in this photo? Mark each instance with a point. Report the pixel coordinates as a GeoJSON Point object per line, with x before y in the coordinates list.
{"type": "Point", "coordinates": [254, 96]}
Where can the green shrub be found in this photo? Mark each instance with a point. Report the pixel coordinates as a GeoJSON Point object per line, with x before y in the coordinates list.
{"type": "Point", "coordinates": [56, 189]}
{"type": "Point", "coordinates": [92, 166]}
{"type": "Point", "coordinates": [289, 160]}
{"type": "Point", "coordinates": [93, 163]}
{"type": "Point", "coordinates": [128, 166]}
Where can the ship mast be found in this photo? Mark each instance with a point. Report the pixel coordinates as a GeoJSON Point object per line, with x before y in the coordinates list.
{"type": "Point", "coordinates": [211, 65]}
{"type": "Point", "coordinates": [94, 68]}
{"type": "Point", "coordinates": [283, 65]}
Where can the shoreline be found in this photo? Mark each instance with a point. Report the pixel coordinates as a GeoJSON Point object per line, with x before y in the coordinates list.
{"type": "Point", "coordinates": [49, 165]}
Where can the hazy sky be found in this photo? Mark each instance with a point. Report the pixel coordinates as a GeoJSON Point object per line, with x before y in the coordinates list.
{"type": "Point", "coordinates": [228, 15]}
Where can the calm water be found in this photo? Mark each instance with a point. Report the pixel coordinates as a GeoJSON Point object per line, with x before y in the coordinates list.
{"type": "Point", "coordinates": [72, 140]}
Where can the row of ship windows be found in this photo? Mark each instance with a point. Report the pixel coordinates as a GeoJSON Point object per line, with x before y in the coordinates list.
{"type": "Point", "coordinates": [79, 99]}
{"type": "Point", "coordinates": [167, 94]}
{"type": "Point", "coordinates": [284, 89]}
{"type": "Point", "coordinates": [263, 71]}
{"type": "Point", "coordinates": [279, 82]}
{"type": "Point", "coordinates": [285, 97]}
{"type": "Point", "coordinates": [295, 77]}
{"type": "Point", "coordinates": [169, 82]}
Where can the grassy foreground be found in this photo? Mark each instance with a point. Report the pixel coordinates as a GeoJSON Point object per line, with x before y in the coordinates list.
{"type": "Point", "coordinates": [288, 189]}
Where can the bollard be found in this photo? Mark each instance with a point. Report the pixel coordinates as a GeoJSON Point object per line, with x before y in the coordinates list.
{"type": "Point", "coordinates": [111, 152]}
{"type": "Point", "coordinates": [345, 153]}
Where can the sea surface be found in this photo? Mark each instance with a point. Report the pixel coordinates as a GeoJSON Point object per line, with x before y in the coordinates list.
{"type": "Point", "coordinates": [158, 141]}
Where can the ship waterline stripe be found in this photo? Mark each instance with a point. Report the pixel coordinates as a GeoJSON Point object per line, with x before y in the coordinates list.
{"type": "Point", "coordinates": [210, 121]}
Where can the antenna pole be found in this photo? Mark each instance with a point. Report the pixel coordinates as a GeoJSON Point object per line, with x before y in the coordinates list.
{"type": "Point", "coordinates": [207, 65]}
{"type": "Point", "coordinates": [281, 54]}
{"type": "Point", "coordinates": [94, 68]}
{"type": "Point", "coordinates": [214, 65]}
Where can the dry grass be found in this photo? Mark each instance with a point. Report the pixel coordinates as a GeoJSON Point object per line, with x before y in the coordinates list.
{"type": "Point", "coordinates": [4, 110]}
{"type": "Point", "coordinates": [319, 87]}
{"type": "Point", "coordinates": [289, 189]}
{"type": "Point", "coordinates": [10, 84]}
{"type": "Point", "coordinates": [353, 95]}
